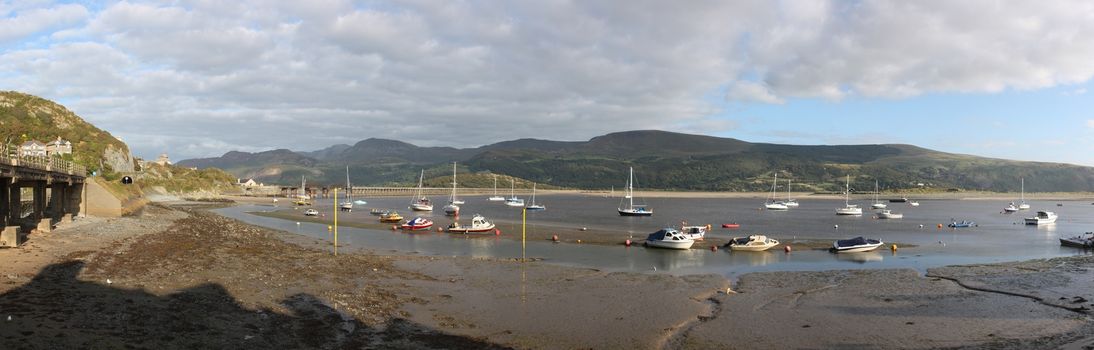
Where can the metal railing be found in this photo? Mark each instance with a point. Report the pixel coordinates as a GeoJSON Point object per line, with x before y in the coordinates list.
{"type": "Point", "coordinates": [13, 155]}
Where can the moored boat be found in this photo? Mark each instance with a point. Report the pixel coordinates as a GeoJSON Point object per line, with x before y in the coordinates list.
{"type": "Point", "coordinates": [391, 216]}
{"type": "Point", "coordinates": [877, 203]}
{"type": "Point", "coordinates": [479, 224]}
{"type": "Point", "coordinates": [418, 223]}
{"type": "Point", "coordinates": [1085, 240]}
{"type": "Point", "coordinates": [961, 224]}
{"type": "Point", "coordinates": [855, 245]}
{"type": "Point", "coordinates": [669, 238]}
{"type": "Point", "coordinates": [378, 211]}
{"type": "Point", "coordinates": [889, 214]}
{"type": "Point", "coordinates": [1010, 208]}
{"type": "Point", "coordinates": [898, 200]}
{"type": "Point", "coordinates": [420, 203]}
{"type": "Point", "coordinates": [632, 209]}
{"type": "Point", "coordinates": [771, 203]}
{"type": "Point", "coordinates": [753, 243]}
{"type": "Point", "coordinates": [311, 212]}
{"type": "Point", "coordinates": [513, 201]}
{"type": "Point", "coordinates": [731, 225]}
{"type": "Point", "coordinates": [695, 232]}
{"type": "Point", "coordinates": [848, 208]}
{"type": "Point", "coordinates": [496, 197]}
{"type": "Point", "coordinates": [1042, 218]}
{"type": "Point", "coordinates": [535, 206]}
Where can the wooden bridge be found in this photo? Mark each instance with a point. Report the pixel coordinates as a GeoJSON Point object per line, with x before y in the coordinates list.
{"type": "Point", "coordinates": [36, 193]}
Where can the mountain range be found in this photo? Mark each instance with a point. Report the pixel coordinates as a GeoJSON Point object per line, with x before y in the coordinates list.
{"type": "Point", "coordinates": [662, 160]}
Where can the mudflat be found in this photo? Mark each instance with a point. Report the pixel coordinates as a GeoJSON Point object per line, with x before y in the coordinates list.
{"type": "Point", "coordinates": [181, 277]}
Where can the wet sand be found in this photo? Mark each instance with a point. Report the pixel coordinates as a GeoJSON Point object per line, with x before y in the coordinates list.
{"type": "Point", "coordinates": [185, 278]}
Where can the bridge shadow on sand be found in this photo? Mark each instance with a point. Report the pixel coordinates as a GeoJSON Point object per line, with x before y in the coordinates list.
{"type": "Point", "coordinates": [57, 311]}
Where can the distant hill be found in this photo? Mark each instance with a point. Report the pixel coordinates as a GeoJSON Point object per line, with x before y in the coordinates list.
{"type": "Point", "coordinates": [662, 160]}
{"type": "Point", "coordinates": [26, 117]}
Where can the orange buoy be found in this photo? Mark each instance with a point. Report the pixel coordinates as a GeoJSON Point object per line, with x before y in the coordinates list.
{"type": "Point", "coordinates": [579, 241]}
{"type": "Point", "coordinates": [627, 243]}
{"type": "Point", "coordinates": [786, 249]}
{"type": "Point", "coordinates": [497, 232]}
{"type": "Point", "coordinates": [894, 247]}
{"type": "Point", "coordinates": [713, 247]}
{"type": "Point", "coordinates": [554, 238]}
{"type": "Point", "coordinates": [939, 225]}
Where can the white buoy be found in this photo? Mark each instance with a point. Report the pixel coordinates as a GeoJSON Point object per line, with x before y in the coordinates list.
{"type": "Point", "coordinates": [835, 226]}
{"type": "Point", "coordinates": [108, 281]}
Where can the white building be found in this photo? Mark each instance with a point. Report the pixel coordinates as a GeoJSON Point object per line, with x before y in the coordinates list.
{"type": "Point", "coordinates": [32, 148]}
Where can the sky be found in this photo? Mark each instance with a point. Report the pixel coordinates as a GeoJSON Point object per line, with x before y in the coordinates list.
{"type": "Point", "coordinates": [1003, 79]}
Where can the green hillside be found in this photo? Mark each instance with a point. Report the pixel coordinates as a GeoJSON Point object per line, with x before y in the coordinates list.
{"type": "Point", "coordinates": [25, 117]}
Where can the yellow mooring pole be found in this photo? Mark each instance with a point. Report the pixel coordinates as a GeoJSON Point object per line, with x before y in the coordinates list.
{"type": "Point", "coordinates": [336, 222]}
{"type": "Point", "coordinates": [523, 225]}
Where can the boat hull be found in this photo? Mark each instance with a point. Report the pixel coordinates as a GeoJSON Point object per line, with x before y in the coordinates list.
{"type": "Point", "coordinates": [463, 229]}
{"type": "Point", "coordinates": [858, 249]}
{"type": "Point", "coordinates": [775, 206]}
{"type": "Point", "coordinates": [421, 207]}
{"type": "Point", "coordinates": [496, 199]}
{"type": "Point", "coordinates": [890, 216]}
{"type": "Point", "coordinates": [731, 225]}
{"type": "Point", "coordinates": [1038, 221]}
{"type": "Point", "coordinates": [849, 211]}
{"type": "Point", "coordinates": [681, 245]}
{"type": "Point", "coordinates": [417, 226]}
{"type": "Point", "coordinates": [625, 212]}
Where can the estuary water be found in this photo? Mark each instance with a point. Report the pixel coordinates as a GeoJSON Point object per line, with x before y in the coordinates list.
{"type": "Point", "coordinates": [998, 237]}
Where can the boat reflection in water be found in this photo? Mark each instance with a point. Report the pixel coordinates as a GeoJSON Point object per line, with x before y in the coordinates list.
{"type": "Point", "coordinates": [751, 258]}
{"type": "Point", "coordinates": [861, 257]}
{"type": "Point", "coordinates": [671, 260]}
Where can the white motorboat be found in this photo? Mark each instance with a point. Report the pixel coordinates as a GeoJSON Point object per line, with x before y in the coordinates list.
{"type": "Point", "coordinates": [632, 209]}
{"type": "Point", "coordinates": [753, 243]}
{"type": "Point", "coordinates": [1010, 208]}
{"type": "Point", "coordinates": [889, 214]}
{"type": "Point", "coordinates": [848, 208]}
{"type": "Point", "coordinates": [1042, 218]}
{"type": "Point", "coordinates": [1085, 240]}
{"type": "Point", "coordinates": [669, 238]}
{"type": "Point", "coordinates": [496, 197]}
{"type": "Point", "coordinates": [535, 206]}
{"type": "Point", "coordinates": [877, 203]}
{"type": "Point", "coordinates": [695, 232]}
{"type": "Point", "coordinates": [913, 203]}
{"type": "Point", "coordinates": [479, 224]}
{"type": "Point", "coordinates": [855, 245]}
{"type": "Point", "coordinates": [771, 203]}
{"type": "Point", "coordinates": [421, 203]}
{"type": "Point", "coordinates": [311, 212]}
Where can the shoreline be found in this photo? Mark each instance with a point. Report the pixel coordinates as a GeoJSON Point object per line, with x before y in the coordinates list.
{"type": "Point", "coordinates": [227, 284]}
{"type": "Point", "coordinates": [962, 195]}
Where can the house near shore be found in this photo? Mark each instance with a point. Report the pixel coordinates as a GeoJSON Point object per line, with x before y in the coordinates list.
{"type": "Point", "coordinates": [32, 148]}
{"type": "Point", "coordinates": [58, 147]}
{"type": "Point", "coordinates": [248, 183]}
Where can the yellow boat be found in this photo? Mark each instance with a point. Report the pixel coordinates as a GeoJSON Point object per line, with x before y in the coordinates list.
{"type": "Point", "coordinates": [391, 217]}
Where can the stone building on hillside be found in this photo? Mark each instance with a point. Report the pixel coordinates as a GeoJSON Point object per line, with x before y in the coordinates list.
{"type": "Point", "coordinates": [32, 148]}
{"type": "Point", "coordinates": [163, 160]}
{"type": "Point", "coordinates": [59, 147]}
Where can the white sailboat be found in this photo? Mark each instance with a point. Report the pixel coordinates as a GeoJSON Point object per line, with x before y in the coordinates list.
{"type": "Point", "coordinates": [877, 203]}
{"type": "Point", "coordinates": [453, 207]}
{"type": "Point", "coordinates": [347, 205]}
{"type": "Point", "coordinates": [790, 202]}
{"type": "Point", "coordinates": [513, 201]}
{"type": "Point", "coordinates": [421, 203]}
{"type": "Point", "coordinates": [631, 209]}
{"type": "Point", "coordinates": [848, 208]}
{"type": "Point", "coordinates": [771, 203]}
{"type": "Point", "coordinates": [302, 198]}
{"type": "Point", "coordinates": [535, 206]}
{"type": "Point", "coordinates": [496, 197]}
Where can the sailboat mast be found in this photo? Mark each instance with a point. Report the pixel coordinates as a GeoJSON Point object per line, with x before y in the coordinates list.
{"type": "Point", "coordinates": [630, 188]}
{"type": "Point", "coordinates": [847, 191]}
{"type": "Point", "coordinates": [1022, 196]}
{"type": "Point", "coordinates": [788, 190]}
{"type": "Point", "coordinates": [773, 184]}
{"type": "Point", "coordinates": [349, 192]}
{"type": "Point", "coordinates": [453, 183]}
{"type": "Point", "coordinates": [495, 185]}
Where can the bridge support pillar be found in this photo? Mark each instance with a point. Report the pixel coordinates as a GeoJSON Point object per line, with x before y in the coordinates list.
{"type": "Point", "coordinates": [57, 197]}
{"type": "Point", "coordinates": [39, 201]}
{"type": "Point", "coordinates": [5, 204]}
{"type": "Point", "coordinates": [45, 225]}
{"type": "Point", "coordinates": [15, 202]}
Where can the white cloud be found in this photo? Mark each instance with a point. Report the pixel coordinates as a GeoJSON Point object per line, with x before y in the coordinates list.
{"type": "Point", "coordinates": [203, 76]}
{"type": "Point", "coordinates": [1090, 123]}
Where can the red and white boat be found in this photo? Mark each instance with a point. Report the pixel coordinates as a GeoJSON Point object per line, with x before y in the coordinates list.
{"type": "Point", "coordinates": [418, 223]}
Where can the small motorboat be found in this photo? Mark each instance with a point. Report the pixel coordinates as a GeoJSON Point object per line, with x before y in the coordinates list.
{"type": "Point", "coordinates": [479, 224]}
{"type": "Point", "coordinates": [898, 200]}
{"type": "Point", "coordinates": [855, 245]}
{"type": "Point", "coordinates": [731, 225]}
{"type": "Point", "coordinates": [961, 224]}
{"type": "Point", "coordinates": [345, 206]}
{"type": "Point", "coordinates": [913, 203]}
{"type": "Point", "coordinates": [1085, 240]}
{"type": "Point", "coordinates": [377, 211]}
{"type": "Point", "coordinates": [1010, 208]}
{"type": "Point", "coordinates": [1043, 217]}
{"type": "Point", "coordinates": [695, 232]}
{"type": "Point", "coordinates": [849, 209]}
{"type": "Point", "coordinates": [753, 243]}
{"type": "Point", "coordinates": [669, 238]}
{"type": "Point", "coordinates": [311, 212]}
{"type": "Point", "coordinates": [418, 223]}
{"type": "Point", "coordinates": [889, 214]}
{"type": "Point", "coordinates": [360, 202]}
{"type": "Point", "coordinates": [536, 207]}
{"type": "Point", "coordinates": [391, 216]}
{"type": "Point", "coordinates": [423, 204]}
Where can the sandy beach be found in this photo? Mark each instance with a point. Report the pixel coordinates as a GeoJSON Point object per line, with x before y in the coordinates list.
{"type": "Point", "coordinates": [180, 277]}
